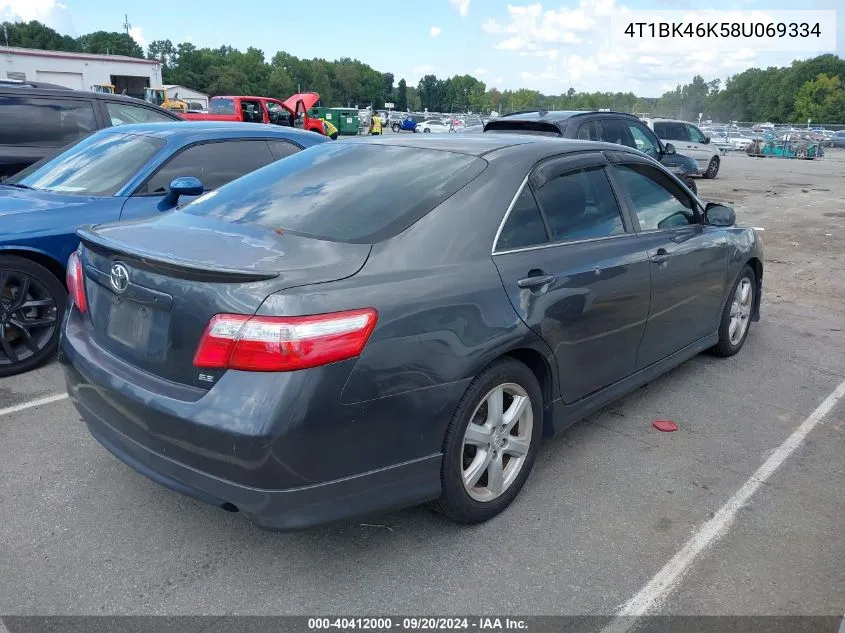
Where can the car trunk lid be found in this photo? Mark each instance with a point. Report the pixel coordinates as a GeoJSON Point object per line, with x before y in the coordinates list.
{"type": "Point", "coordinates": [153, 285]}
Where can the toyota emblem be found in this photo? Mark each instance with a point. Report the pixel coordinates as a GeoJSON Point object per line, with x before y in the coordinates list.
{"type": "Point", "coordinates": [119, 278]}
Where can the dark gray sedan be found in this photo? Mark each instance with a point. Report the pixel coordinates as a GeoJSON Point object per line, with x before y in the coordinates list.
{"type": "Point", "coordinates": [304, 344]}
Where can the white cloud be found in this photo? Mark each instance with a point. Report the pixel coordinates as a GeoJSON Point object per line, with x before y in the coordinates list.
{"type": "Point", "coordinates": [462, 6]}
{"type": "Point", "coordinates": [435, 31]}
{"type": "Point", "coordinates": [425, 69]}
{"type": "Point", "coordinates": [53, 14]}
{"type": "Point", "coordinates": [479, 72]}
{"type": "Point", "coordinates": [492, 27]}
{"type": "Point", "coordinates": [138, 36]}
{"type": "Point", "coordinates": [498, 81]}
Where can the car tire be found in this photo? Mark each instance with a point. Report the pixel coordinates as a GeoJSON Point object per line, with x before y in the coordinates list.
{"type": "Point", "coordinates": [29, 323]}
{"type": "Point", "coordinates": [512, 444]}
{"type": "Point", "coordinates": [712, 168]}
{"type": "Point", "coordinates": [738, 309]}
{"type": "Point", "coordinates": [801, 154]}
{"type": "Point", "coordinates": [394, 127]}
{"type": "Point", "coordinates": [427, 131]}
{"type": "Point", "coordinates": [690, 182]}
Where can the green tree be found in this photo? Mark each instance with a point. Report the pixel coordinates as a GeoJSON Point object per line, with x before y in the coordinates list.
{"type": "Point", "coordinates": [402, 95]}
{"type": "Point", "coordinates": [164, 52]}
{"type": "Point", "coordinates": [36, 35]}
{"type": "Point", "coordinates": [110, 43]}
{"type": "Point", "coordinates": [822, 100]}
{"type": "Point", "coordinates": [226, 80]}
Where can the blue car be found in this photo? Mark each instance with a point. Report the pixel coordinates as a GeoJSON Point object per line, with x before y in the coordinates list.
{"type": "Point", "coordinates": [408, 124]}
{"type": "Point", "coordinates": [119, 173]}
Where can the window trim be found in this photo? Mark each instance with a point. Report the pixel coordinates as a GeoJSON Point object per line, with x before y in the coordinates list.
{"type": "Point", "coordinates": [632, 212]}
{"type": "Point", "coordinates": [180, 151]}
{"type": "Point", "coordinates": [579, 161]}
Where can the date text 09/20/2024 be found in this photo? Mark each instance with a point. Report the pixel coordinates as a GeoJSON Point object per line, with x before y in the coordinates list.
{"type": "Point", "coordinates": [417, 624]}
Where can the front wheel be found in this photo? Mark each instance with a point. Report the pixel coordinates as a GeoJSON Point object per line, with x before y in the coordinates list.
{"type": "Point", "coordinates": [736, 315]}
{"type": "Point", "coordinates": [32, 301]}
{"type": "Point", "coordinates": [801, 154]}
{"type": "Point", "coordinates": [491, 443]}
{"type": "Point", "coordinates": [712, 168]}
{"type": "Point", "coordinates": [395, 127]}
{"type": "Point", "coordinates": [426, 130]}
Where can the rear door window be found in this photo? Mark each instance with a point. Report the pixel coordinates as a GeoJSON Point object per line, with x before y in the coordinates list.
{"type": "Point", "coordinates": [39, 122]}
{"type": "Point", "coordinates": [214, 164]}
{"type": "Point", "coordinates": [126, 113]}
{"type": "Point", "coordinates": [588, 131]}
{"type": "Point", "coordinates": [280, 149]}
{"type": "Point", "coordinates": [335, 191]}
{"type": "Point", "coordinates": [220, 105]}
{"type": "Point", "coordinates": [524, 226]}
{"type": "Point", "coordinates": [580, 205]}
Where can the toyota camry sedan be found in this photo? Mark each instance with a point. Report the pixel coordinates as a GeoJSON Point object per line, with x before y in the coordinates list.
{"type": "Point", "coordinates": [303, 345]}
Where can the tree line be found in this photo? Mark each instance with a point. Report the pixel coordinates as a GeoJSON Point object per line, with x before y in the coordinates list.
{"type": "Point", "coordinates": [807, 89]}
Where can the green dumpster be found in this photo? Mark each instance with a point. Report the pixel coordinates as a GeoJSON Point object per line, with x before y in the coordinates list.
{"type": "Point", "coordinates": [345, 120]}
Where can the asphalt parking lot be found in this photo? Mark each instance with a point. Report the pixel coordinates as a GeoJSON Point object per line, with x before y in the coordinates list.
{"type": "Point", "coordinates": [609, 503]}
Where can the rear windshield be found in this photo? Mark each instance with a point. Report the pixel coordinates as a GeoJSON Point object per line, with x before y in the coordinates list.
{"type": "Point", "coordinates": [343, 192]}
{"type": "Point", "coordinates": [221, 106]}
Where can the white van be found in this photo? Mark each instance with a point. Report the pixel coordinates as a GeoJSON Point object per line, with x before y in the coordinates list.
{"type": "Point", "coordinates": [689, 140]}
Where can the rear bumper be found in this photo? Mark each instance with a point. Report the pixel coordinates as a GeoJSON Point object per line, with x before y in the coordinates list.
{"type": "Point", "coordinates": [275, 447]}
{"type": "Point", "coordinates": [394, 487]}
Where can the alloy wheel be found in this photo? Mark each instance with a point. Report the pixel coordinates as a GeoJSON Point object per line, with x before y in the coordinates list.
{"type": "Point", "coordinates": [740, 311]}
{"type": "Point", "coordinates": [28, 317]}
{"type": "Point", "coordinates": [496, 442]}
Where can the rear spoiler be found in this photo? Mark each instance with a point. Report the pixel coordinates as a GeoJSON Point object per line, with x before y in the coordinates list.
{"type": "Point", "coordinates": [170, 266]}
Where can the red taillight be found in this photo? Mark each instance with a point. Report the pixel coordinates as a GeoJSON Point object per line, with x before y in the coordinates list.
{"type": "Point", "coordinates": [266, 343]}
{"type": "Point", "coordinates": [75, 279]}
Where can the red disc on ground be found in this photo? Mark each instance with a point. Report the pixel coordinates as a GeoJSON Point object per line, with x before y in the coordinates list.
{"type": "Point", "coordinates": [665, 425]}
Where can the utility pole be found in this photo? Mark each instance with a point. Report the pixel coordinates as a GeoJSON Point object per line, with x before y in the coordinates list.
{"type": "Point", "coordinates": [6, 33]}
{"type": "Point", "coordinates": [126, 24]}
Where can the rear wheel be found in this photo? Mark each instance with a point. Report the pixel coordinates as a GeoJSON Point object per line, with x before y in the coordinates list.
{"type": "Point", "coordinates": [491, 443]}
{"type": "Point", "coordinates": [712, 168]}
{"type": "Point", "coordinates": [736, 315]}
{"type": "Point", "coordinates": [395, 127]}
{"type": "Point", "coordinates": [32, 301]}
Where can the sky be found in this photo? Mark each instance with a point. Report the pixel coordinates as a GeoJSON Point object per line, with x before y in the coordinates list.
{"type": "Point", "coordinates": [546, 46]}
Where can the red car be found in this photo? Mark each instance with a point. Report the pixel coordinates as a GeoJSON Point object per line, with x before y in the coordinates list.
{"type": "Point", "coordinates": [293, 111]}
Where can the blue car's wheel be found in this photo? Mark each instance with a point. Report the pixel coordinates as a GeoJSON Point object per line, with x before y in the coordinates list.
{"type": "Point", "coordinates": [32, 301]}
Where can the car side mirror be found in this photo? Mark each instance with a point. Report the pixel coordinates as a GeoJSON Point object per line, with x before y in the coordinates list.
{"type": "Point", "coordinates": [706, 140]}
{"type": "Point", "coordinates": [716, 214]}
{"type": "Point", "coordinates": [668, 148]}
{"type": "Point", "coordinates": [184, 186]}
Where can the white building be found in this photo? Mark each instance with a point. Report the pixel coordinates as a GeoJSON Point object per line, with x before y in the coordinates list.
{"type": "Point", "coordinates": [80, 71]}
{"type": "Point", "coordinates": [192, 97]}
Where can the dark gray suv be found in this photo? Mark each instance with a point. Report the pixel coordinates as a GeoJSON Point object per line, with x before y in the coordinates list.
{"type": "Point", "coordinates": [38, 119]}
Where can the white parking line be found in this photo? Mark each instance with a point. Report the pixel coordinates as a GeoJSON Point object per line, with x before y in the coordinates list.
{"type": "Point", "coordinates": [33, 403]}
{"type": "Point", "coordinates": [655, 592]}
